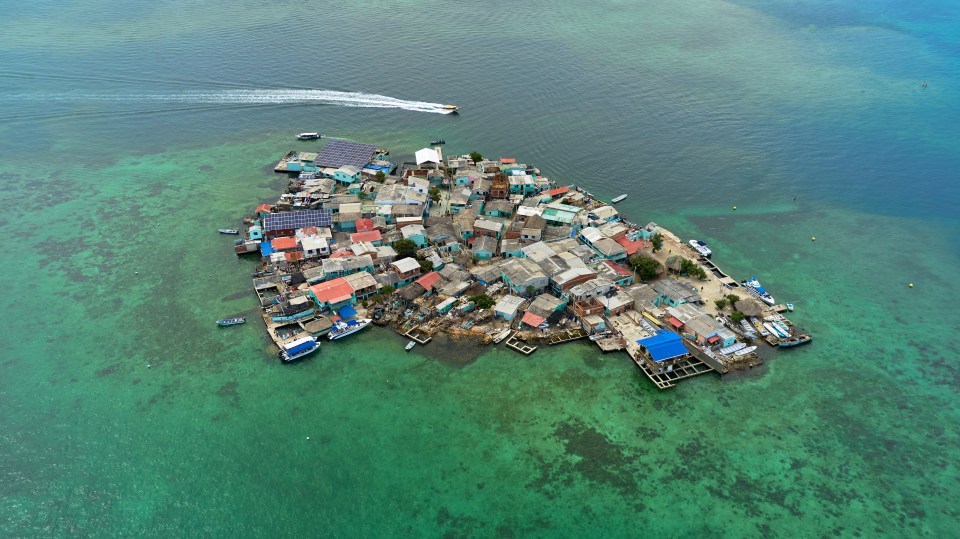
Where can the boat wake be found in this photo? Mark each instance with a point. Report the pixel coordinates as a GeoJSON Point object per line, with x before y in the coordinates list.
{"type": "Point", "coordinates": [254, 97]}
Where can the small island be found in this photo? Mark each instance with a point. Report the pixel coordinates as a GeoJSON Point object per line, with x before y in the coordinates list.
{"type": "Point", "coordinates": [492, 250]}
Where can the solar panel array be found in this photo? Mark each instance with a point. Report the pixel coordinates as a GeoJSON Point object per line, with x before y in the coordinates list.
{"type": "Point", "coordinates": [297, 219]}
{"type": "Point", "coordinates": [338, 153]}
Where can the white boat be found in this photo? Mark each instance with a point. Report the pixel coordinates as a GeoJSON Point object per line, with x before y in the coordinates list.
{"type": "Point", "coordinates": [501, 336]}
{"type": "Point", "coordinates": [410, 345]}
{"type": "Point", "coordinates": [228, 231]}
{"type": "Point", "coordinates": [619, 198]}
{"type": "Point", "coordinates": [732, 348]}
{"type": "Point", "coordinates": [701, 248]}
{"type": "Point", "coordinates": [308, 136]}
{"type": "Point", "coordinates": [753, 286]}
{"type": "Point", "coordinates": [745, 351]}
{"type": "Point", "coordinates": [342, 329]}
{"type": "Point", "coordinates": [297, 349]}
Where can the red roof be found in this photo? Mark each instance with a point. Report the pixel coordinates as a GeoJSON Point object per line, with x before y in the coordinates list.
{"type": "Point", "coordinates": [309, 231]}
{"type": "Point", "coordinates": [630, 247]}
{"type": "Point", "coordinates": [508, 160]}
{"type": "Point", "coordinates": [370, 235]}
{"type": "Point", "coordinates": [342, 253]}
{"type": "Point", "coordinates": [333, 291]}
{"type": "Point", "coordinates": [364, 224]}
{"type": "Point", "coordinates": [674, 322]}
{"type": "Point", "coordinates": [618, 268]}
{"type": "Point", "coordinates": [532, 319]}
{"type": "Point", "coordinates": [557, 191]}
{"type": "Point", "coordinates": [264, 207]}
{"type": "Point", "coordinates": [713, 339]}
{"type": "Point", "coordinates": [428, 280]}
{"type": "Point", "coordinates": [293, 256]}
{"type": "Point", "coordinates": [283, 243]}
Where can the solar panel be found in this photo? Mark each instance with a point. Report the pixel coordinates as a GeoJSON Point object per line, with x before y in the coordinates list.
{"type": "Point", "coordinates": [338, 153]}
{"type": "Point", "coordinates": [297, 219]}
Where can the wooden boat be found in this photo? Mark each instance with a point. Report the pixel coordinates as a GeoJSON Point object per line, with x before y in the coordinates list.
{"type": "Point", "coordinates": [795, 341]}
{"type": "Point", "coordinates": [410, 345]}
{"type": "Point", "coordinates": [231, 321]}
{"type": "Point", "coordinates": [228, 231]}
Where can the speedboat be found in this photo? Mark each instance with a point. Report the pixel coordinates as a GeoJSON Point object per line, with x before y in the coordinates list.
{"type": "Point", "coordinates": [753, 286]}
{"type": "Point", "coordinates": [231, 321]}
{"type": "Point", "coordinates": [438, 142]}
{"type": "Point", "coordinates": [297, 349]}
{"type": "Point", "coordinates": [451, 108]}
{"type": "Point", "coordinates": [410, 345]}
{"type": "Point", "coordinates": [619, 198]}
{"type": "Point", "coordinates": [701, 248]}
{"type": "Point", "coordinates": [308, 136]}
{"type": "Point", "coordinates": [228, 231]}
{"type": "Point", "coordinates": [342, 329]}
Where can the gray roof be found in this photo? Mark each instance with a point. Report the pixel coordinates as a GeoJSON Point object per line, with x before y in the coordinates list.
{"type": "Point", "coordinates": [485, 243]}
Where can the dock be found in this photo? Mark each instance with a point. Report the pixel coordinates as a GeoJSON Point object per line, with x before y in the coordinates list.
{"type": "Point", "coordinates": [566, 336]}
{"type": "Point", "coordinates": [610, 344]}
{"type": "Point", "coordinates": [418, 335]}
{"type": "Point", "coordinates": [515, 343]}
{"type": "Point", "coordinates": [668, 378]}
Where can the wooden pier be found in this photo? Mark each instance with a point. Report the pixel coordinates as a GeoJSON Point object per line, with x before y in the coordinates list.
{"type": "Point", "coordinates": [418, 335]}
{"type": "Point", "coordinates": [566, 336]}
{"type": "Point", "coordinates": [667, 379]}
{"type": "Point", "coordinates": [516, 344]}
{"type": "Point", "coordinates": [610, 344]}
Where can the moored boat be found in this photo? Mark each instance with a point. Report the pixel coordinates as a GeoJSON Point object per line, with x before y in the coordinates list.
{"type": "Point", "coordinates": [795, 341]}
{"type": "Point", "coordinates": [753, 286]}
{"type": "Point", "coordinates": [297, 349]}
{"type": "Point", "coordinates": [228, 231]}
{"type": "Point", "coordinates": [231, 321]}
{"type": "Point", "coordinates": [438, 142]}
{"type": "Point", "coordinates": [342, 329]}
{"type": "Point", "coordinates": [618, 198]}
{"type": "Point", "coordinates": [744, 351]}
{"type": "Point", "coordinates": [308, 136]}
{"type": "Point", "coordinates": [501, 336]}
{"type": "Point", "coordinates": [701, 248]}
{"type": "Point", "coordinates": [410, 345]}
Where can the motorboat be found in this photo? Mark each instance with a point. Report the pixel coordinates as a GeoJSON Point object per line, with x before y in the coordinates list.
{"type": "Point", "coordinates": [438, 142]}
{"type": "Point", "coordinates": [619, 198]}
{"type": "Point", "coordinates": [701, 248]}
{"type": "Point", "coordinates": [342, 329]}
{"type": "Point", "coordinates": [753, 286]}
{"type": "Point", "coordinates": [233, 231]}
{"type": "Point", "coordinates": [231, 321]}
{"type": "Point", "coordinates": [451, 108]}
{"type": "Point", "coordinates": [297, 349]}
{"type": "Point", "coordinates": [795, 341]}
{"type": "Point", "coordinates": [308, 136]}
{"type": "Point", "coordinates": [410, 345]}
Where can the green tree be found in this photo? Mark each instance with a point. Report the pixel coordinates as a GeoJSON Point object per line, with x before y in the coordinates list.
{"type": "Point", "coordinates": [434, 194]}
{"type": "Point", "coordinates": [425, 265]}
{"type": "Point", "coordinates": [647, 268]}
{"type": "Point", "coordinates": [736, 317]}
{"type": "Point", "coordinates": [531, 290]}
{"type": "Point", "coordinates": [404, 247]}
{"type": "Point", "coordinates": [483, 301]}
{"type": "Point", "coordinates": [732, 299]}
{"type": "Point", "coordinates": [387, 290]}
{"type": "Point", "coordinates": [657, 241]}
{"type": "Point", "coordinates": [381, 177]}
{"type": "Point", "coordinates": [721, 304]}
{"type": "Point", "coordinates": [476, 157]}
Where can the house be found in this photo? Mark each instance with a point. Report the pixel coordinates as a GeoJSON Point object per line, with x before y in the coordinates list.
{"type": "Point", "coordinates": [567, 279]}
{"type": "Point", "coordinates": [546, 305]}
{"type": "Point", "coordinates": [507, 307]}
{"type": "Point", "coordinates": [342, 266]}
{"type": "Point", "coordinates": [315, 247]}
{"type": "Point", "coordinates": [648, 230]}
{"type": "Point", "coordinates": [347, 175]}
{"type": "Point", "coordinates": [262, 210]}
{"type": "Point", "coordinates": [672, 293]}
{"type": "Point", "coordinates": [532, 230]}
{"type": "Point", "coordinates": [554, 194]}
{"type": "Point", "coordinates": [557, 214]}
{"type": "Point", "coordinates": [339, 152]}
{"type": "Point", "coordinates": [523, 276]}
{"type": "Point", "coordinates": [287, 223]}
{"type": "Point", "coordinates": [284, 243]}
{"type": "Point", "coordinates": [364, 248]}
{"type": "Point", "coordinates": [614, 230]}
{"type": "Point", "coordinates": [419, 185]}
{"type": "Point", "coordinates": [498, 208]}
{"type": "Point", "coordinates": [416, 234]}
{"type": "Point", "coordinates": [499, 187]}
{"type": "Point", "coordinates": [615, 302]}
{"type": "Point", "coordinates": [427, 156]}
{"type": "Point", "coordinates": [620, 275]}
{"type": "Point", "coordinates": [605, 213]}
{"type": "Point", "coordinates": [609, 249]}
{"type": "Point", "coordinates": [429, 281]}
{"type": "Point", "coordinates": [333, 294]}
{"type": "Point", "coordinates": [591, 289]}
{"type": "Point", "coordinates": [487, 275]}
{"type": "Point", "coordinates": [446, 305]}
{"type": "Point", "coordinates": [407, 269]}
{"type": "Point", "coordinates": [538, 251]}
{"type": "Point", "coordinates": [510, 248]}
{"type": "Point", "coordinates": [484, 248]}
{"type": "Point", "coordinates": [459, 198]}
{"type": "Point", "coordinates": [372, 236]}
{"type": "Point", "coordinates": [487, 227]}
{"type": "Point", "coordinates": [663, 350]}
{"type": "Point", "coordinates": [363, 284]}
{"type": "Point", "coordinates": [645, 299]}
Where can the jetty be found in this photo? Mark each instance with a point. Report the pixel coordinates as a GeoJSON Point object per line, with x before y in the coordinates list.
{"type": "Point", "coordinates": [492, 250]}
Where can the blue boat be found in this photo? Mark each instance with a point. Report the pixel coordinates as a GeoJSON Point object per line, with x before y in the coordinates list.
{"type": "Point", "coordinates": [295, 350]}
{"type": "Point", "coordinates": [795, 341]}
{"type": "Point", "coordinates": [753, 286]}
{"type": "Point", "coordinates": [291, 317]}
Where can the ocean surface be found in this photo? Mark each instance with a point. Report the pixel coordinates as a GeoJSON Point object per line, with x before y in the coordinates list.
{"type": "Point", "coordinates": [130, 132]}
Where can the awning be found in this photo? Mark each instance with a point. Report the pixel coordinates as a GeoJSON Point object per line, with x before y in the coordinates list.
{"type": "Point", "coordinates": [674, 322]}
{"type": "Point", "coordinates": [713, 339]}
{"type": "Point", "coordinates": [347, 311]}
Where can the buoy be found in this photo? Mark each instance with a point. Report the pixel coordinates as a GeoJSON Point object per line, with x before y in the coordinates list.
{"type": "Point", "coordinates": [911, 285]}
{"type": "Point", "coordinates": [734, 208]}
{"type": "Point", "coordinates": [136, 273]}
{"type": "Point", "coordinates": [813, 238]}
{"type": "Point", "coordinates": [308, 437]}
{"type": "Point", "coordinates": [148, 365]}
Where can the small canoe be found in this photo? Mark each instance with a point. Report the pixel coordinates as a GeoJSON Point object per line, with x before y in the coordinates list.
{"type": "Point", "coordinates": [231, 321]}
{"type": "Point", "coordinates": [228, 231]}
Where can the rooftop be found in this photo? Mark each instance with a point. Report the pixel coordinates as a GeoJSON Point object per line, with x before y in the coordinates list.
{"type": "Point", "coordinates": [340, 152]}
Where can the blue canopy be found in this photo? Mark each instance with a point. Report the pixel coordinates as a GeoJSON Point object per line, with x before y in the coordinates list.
{"type": "Point", "coordinates": [663, 346]}
{"type": "Point", "coordinates": [347, 311]}
{"type": "Point", "coordinates": [265, 248]}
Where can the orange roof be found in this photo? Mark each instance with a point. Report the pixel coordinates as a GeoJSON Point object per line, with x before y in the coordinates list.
{"type": "Point", "coordinates": [264, 207]}
{"type": "Point", "coordinates": [618, 268]}
{"type": "Point", "coordinates": [283, 243]}
{"type": "Point", "coordinates": [428, 280]}
{"type": "Point", "coordinates": [309, 231]}
{"type": "Point", "coordinates": [557, 191]}
{"type": "Point", "coordinates": [364, 224]}
{"type": "Point", "coordinates": [674, 322]}
{"type": "Point", "coordinates": [532, 319]}
{"type": "Point", "coordinates": [370, 235]}
{"type": "Point", "coordinates": [342, 253]}
{"type": "Point", "coordinates": [631, 247]}
{"type": "Point", "coordinates": [508, 160]}
{"type": "Point", "coordinates": [293, 256]}
{"type": "Point", "coordinates": [333, 291]}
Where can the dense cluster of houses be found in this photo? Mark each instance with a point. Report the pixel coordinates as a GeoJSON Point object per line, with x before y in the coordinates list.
{"type": "Point", "coordinates": [542, 252]}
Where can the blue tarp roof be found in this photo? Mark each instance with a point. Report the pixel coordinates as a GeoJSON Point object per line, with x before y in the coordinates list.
{"type": "Point", "coordinates": [347, 311]}
{"type": "Point", "coordinates": [265, 248]}
{"type": "Point", "coordinates": [663, 346]}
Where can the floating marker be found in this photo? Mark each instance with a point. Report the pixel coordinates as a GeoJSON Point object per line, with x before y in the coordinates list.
{"type": "Point", "coordinates": [734, 208]}
{"type": "Point", "coordinates": [911, 285]}
{"type": "Point", "coordinates": [814, 238]}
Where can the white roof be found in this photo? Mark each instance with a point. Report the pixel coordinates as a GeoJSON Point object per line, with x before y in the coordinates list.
{"type": "Point", "coordinates": [527, 210]}
{"type": "Point", "coordinates": [508, 304]}
{"type": "Point", "coordinates": [313, 243]}
{"type": "Point", "coordinates": [427, 155]}
{"type": "Point", "coordinates": [353, 207]}
{"type": "Point", "coordinates": [405, 265]}
{"type": "Point", "coordinates": [410, 231]}
{"type": "Point", "coordinates": [592, 234]}
{"type": "Point", "coordinates": [605, 212]}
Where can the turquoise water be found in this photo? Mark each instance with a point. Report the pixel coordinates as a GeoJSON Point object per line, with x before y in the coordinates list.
{"type": "Point", "coordinates": [129, 133]}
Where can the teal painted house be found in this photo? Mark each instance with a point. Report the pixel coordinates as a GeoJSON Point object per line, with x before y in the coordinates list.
{"type": "Point", "coordinates": [347, 175]}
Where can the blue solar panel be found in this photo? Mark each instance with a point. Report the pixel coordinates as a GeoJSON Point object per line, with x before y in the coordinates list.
{"type": "Point", "coordinates": [297, 219]}
{"type": "Point", "coordinates": [338, 153]}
